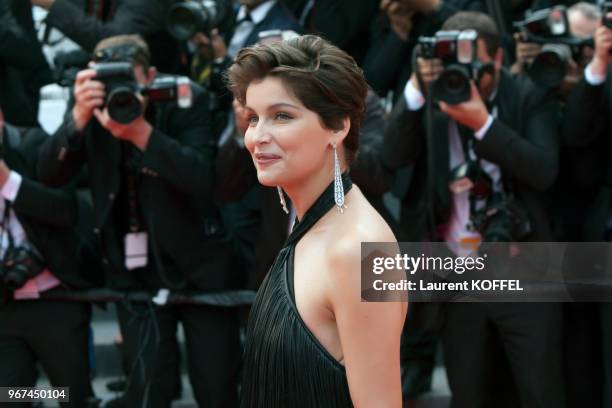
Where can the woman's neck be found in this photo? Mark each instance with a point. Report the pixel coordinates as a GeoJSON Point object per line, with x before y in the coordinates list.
{"type": "Point", "coordinates": [305, 192]}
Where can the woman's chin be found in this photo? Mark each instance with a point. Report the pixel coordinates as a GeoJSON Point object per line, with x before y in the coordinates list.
{"type": "Point", "coordinates": [267, 179]}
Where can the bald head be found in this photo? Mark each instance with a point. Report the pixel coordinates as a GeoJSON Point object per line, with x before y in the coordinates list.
{"type": "Point", "coordinates": [584, 19]}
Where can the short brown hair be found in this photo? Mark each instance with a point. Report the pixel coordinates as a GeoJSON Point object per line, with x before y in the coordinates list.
{"type": "Point", "coordinates": [481, 22]}
{"type": "Point", "coordinates": [128, 47]}
{"type": "Point", "coordinates": [323, 77]}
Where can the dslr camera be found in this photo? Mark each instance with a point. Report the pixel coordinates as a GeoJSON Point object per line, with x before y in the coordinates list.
{"type": "Point", "coordinates": [504, 219]}
{"type": "Point", "coordinates": [19, 265]}
{"type": "Point", "coordinates": [122, 91]}
{"type": "Point", "coordinates": [192, 16]}
{"type": "Point", "coordinates": [550, 27]}
{"type": "Point", "coordinates": [458, 52]}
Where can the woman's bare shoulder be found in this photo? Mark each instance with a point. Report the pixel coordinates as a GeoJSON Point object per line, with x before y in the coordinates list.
{"type": "Point", "coordinates": [359, 223]}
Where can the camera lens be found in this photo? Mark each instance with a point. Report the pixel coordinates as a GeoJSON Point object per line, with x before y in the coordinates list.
{"type": "Point", "coordinates": [183, 21]}
{"type": "Point", "coordinates": [453, 85]}
{"type": "Point", "coordinates": [186, 19]}
{"type": "Point", "coordinates": [550, 66]}
{"type": "Point", "coordinates": [123, 105]}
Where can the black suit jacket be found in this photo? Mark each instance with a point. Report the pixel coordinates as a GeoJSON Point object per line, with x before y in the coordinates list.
{"type": "Point", "coordinates": [23, 67]}
{"type": "Point", "coordinates": [278, 18]}
{"type": "Point", "coordinates": [49, 216]}
{"type": "Point", "coordinates": [522, 141]}
{"type": "Point", "coordinates": [587, 133]}
{"type": "Point", "coordinates": [188, 242]}
{"type": "Point", "coordinates": [343, 22]}
{"type": "Point", "coordinates": [144, 17]}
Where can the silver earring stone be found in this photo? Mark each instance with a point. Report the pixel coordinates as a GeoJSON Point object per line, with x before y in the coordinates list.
{"type": "Point", "coordinates": [338, 186]}
{"type": "Point", "coordinates": [282, 199]}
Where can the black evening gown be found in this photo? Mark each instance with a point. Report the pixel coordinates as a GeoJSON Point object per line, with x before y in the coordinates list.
{"type": "Point", "coordinates": [285, 365]}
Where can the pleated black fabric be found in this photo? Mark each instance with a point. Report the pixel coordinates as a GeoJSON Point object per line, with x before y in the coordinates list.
{"type": "Point", "coordinates": [285, 365]}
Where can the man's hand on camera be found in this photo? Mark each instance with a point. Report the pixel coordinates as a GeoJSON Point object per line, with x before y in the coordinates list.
{"type": "Point", "coordinates": [138, 132]}
{"type": "Point", "coordinates": [603, 45]}
{"type": "Point", "coordinates": [89, 95]}
{"type": "Point", "coordinates": [525, 53]}
{"type": "Point", "coordinates": [203, 43]}
{"type": "Point", "coordinates": [429, 70]}
{"type": "Point", "coordinates": [472, 113]}
{"type": "Point", "coordinates": [46, 4]}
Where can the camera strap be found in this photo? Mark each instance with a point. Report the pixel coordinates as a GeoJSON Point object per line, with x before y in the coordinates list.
{"type": "Point", "coordinates": [132, 178]}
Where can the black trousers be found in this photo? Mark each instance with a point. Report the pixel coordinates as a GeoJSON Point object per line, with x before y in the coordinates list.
{"type": "Point", "coordinates": [150, 349]}
{"type": "Point", "coordinates": [529, 337]}
{"type": "Point", "coordinates": [606, 326]}
{"type": "Point", "coordinates": [53, 333]}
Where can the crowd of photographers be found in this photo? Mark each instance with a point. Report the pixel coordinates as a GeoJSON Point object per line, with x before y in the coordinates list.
{"type": "Point", "coordinates": [486, 120]}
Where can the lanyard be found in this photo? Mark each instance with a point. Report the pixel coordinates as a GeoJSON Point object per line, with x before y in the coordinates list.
{"type": "Point", "coordinates": [131, 183]}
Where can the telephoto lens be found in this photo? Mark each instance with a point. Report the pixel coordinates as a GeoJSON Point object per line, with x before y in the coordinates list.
{"type": "Point", "coordinates": [187, 18]}
{"type": "Point", "coordinates": [550, 66]}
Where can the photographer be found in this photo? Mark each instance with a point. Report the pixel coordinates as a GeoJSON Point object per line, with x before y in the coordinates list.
{"type": "Point", "coordinates": [40, 253]}
{"type": "Point", "coordinates": [395, 33]}
{"type": "Point", "coordinates": [152, 181]}
{"type": "Point", "coordinates": [506, 129]}
{"type": "Point", "coordinates": [87, 22]}
{"type": "Point", "coordinates": [586, 131]}
{"type": "Point", "coordinates": [556, 54]}
{"type": "Point", "coordinates": [23, 68]}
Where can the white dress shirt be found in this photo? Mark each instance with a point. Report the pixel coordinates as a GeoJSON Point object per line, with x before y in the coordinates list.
{"type": "Point", "coordinates": [593, 79]}
{"type": "Point", "coordinates": [42, 282]}
{"type": "Point", "coordinates": [245, 27]}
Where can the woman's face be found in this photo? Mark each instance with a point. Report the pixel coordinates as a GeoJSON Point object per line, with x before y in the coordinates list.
{"type": "Point", "coordinates": [286, 140]}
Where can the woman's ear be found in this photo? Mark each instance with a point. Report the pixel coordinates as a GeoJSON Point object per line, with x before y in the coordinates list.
{"type": "Point", "coordinates": [340, 134]}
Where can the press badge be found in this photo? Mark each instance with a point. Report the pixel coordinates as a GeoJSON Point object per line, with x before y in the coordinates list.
{"type": "Point", "coordinates": [136, 250]}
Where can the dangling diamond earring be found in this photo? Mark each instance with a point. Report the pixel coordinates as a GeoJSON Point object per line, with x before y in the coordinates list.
{"type": "Point", "coordinates": [338, 186]}
{"type": "Point", "coordinates": [282, 199]}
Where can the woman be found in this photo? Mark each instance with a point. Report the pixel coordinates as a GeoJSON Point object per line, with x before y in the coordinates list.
{"type": "Point", "coordinates": [311, 341]}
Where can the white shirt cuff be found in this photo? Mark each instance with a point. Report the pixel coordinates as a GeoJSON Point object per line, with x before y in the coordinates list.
{"type": "Point", "coordinates": [414, 98]}
{"type": "Point", "coordinates": [480, 133]}
{"type": "Point", "coordinates": [11, 187]}
{"type": "Point", "coordinates": [593, 79]}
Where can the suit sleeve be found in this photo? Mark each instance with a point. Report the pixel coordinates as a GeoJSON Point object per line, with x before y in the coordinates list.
{"type": "Point", "coordinates": [532, 158]}
{"type": "Point", "coordinates": [60, 205]}
{"type": "Point", "coordinates": [404, 138]}
{"type": "Point", "coordinates": [340, 20]}
{"type": "Point", "coordinates": [367, 170]}
{"type": "Point", "coordinates": [585, 107]}
{"type": "Point", "coordinates": [185, 159]}
{"type": "Point", "coordinates": [235, 173]}
{"type": "Point", "coordinates": [62, 156]}
{"type": "Point", "coordinates": [17, 47]}
{"type": "Point", "coordinates": [130, 17]}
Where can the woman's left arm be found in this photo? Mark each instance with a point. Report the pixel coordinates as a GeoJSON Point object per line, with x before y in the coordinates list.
{"type": "Point", "coordinates": [369, 331]}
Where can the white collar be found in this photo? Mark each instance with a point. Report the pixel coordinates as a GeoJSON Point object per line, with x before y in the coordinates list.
{"type": "Point", "coordinates": [258, 13]}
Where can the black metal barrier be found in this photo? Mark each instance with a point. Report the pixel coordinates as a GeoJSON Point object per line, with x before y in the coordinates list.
{"type": "Point", "coordinates": [234, 298]}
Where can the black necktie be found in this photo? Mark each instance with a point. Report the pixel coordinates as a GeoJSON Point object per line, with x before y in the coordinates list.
{"type": "Point", "coordinates": [247, 17]}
